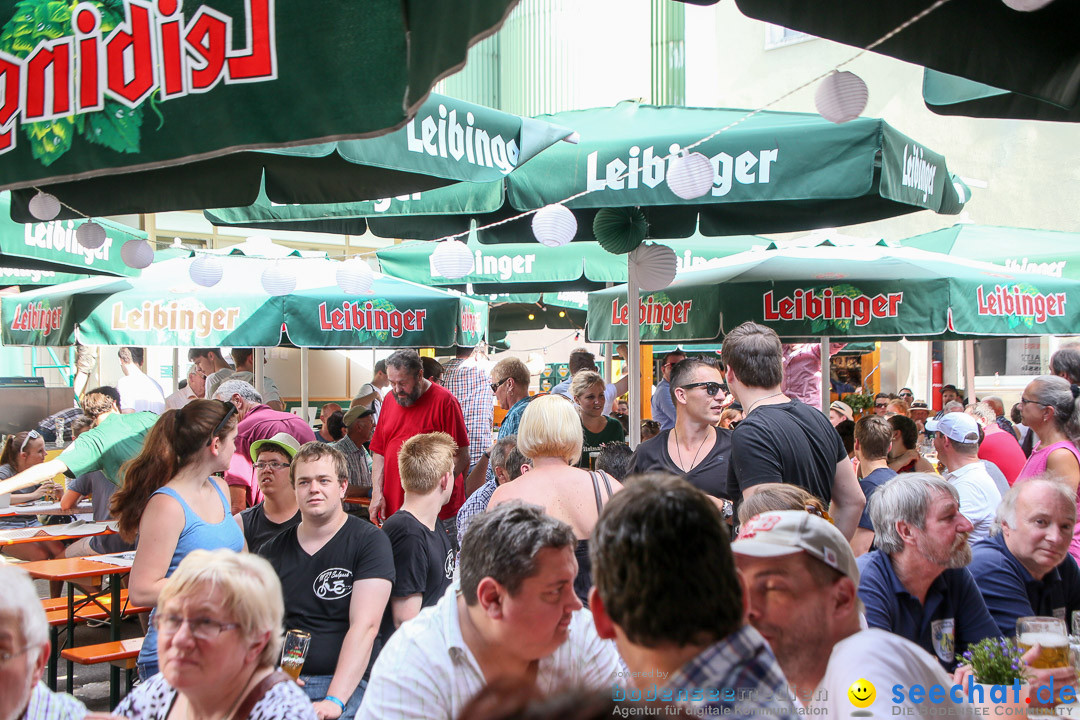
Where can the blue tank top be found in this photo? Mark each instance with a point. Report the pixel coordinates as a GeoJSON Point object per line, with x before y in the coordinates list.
{"type": "Point", "coordinates": [196, 535]}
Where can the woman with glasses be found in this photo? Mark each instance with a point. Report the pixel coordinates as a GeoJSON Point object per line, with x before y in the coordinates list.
{"type": "Point", "coordinates": [1050, 408]}
{"type": "Point", "coordinates": [173, 504]}
{"type": "Point", "coordinates": [21, 451]}
{"type": "Point", "coordinates": [550, 435]}
{"type": "Point", "coordinates": [587, 389]}
{"type": "Point", "coordinates": [218, 624]}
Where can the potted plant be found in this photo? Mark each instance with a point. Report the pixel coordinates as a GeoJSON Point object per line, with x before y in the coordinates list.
{"type": "Point", "coordinates": [859, 403]}
{"type": "Point", "coordinates": [999, 669]}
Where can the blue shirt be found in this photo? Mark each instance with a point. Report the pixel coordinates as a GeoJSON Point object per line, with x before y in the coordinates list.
{"type": "Point", "coordinates": [663, 410]}
{"type": "Point", "coordinates": [476, 504]}
{"type": "Point", "coordinates": [953, 617]}
{"type": "Point", "coordinates": [869, 484]}
{"type": "Point", "coordinates": [1011, 592]}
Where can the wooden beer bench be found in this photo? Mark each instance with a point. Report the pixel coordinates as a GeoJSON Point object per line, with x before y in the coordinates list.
{"type": "Point", "coordinates": [118, 653]}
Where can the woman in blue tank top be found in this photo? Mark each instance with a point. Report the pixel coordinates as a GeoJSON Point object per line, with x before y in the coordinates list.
{"type": "Point", "coordinates": [172, 504]}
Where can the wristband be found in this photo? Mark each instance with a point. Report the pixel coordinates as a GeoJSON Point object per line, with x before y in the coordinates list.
{"type": "Point", "coordinates": [487, 454]}
{"type": "Point", "coordinates": [336, 701]}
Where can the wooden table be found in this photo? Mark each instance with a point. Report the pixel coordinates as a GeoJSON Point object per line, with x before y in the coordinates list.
{"type": "Point", "coordinates": [68, 570]}
{"type": "Point", "coordinates": [363, 501]}
{"type": "Point", "coordinates": [83, 508]}
{"type": "Point", "coordinates": [44, 537]}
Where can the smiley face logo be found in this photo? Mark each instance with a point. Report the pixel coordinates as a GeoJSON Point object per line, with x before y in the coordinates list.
{"type": "Point", "coordinates": [861, 693]}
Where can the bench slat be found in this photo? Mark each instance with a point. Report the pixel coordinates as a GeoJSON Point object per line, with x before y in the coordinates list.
{"type": "Point", "coordinates": [104, 652]}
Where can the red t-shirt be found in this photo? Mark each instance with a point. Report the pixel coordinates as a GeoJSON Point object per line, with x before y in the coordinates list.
{"type": "Point", "coordinates": [436, 411]}
{"type": "Point", "coordinates": [1001, 448]}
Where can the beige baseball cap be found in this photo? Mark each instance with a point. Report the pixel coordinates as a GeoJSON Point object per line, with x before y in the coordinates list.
{"type": "Point", "coordinates": [843, 408]}
{"type": "Point", "coordinates": [786, 532]}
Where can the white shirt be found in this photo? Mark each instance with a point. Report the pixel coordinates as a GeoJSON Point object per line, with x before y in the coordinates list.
{"type": "Point", "coordinates": [979, 497]}
{"type": "Point", "coordinates": [885, 660]}
{"type": "Point", "coordinates": [427, 672]}
{"type": "Point", "coordinates": [140, 392]}
{"type": "Point", "coordinates": [180, 398]}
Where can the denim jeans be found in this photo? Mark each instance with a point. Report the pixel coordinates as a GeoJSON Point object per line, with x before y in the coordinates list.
{"type": "Point", "coordinates": [317, 686]}
{"type": "Point", "coordinates": [147, 670]}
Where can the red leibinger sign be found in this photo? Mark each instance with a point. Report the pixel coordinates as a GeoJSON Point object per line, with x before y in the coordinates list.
{"type": "Point", "coordinates": [1005, 301]}
{"type": "Point", "coordinates": [667, 315]}
{"type": "Point", "coordinates": [806, 305]}
{"type": "Point", "coordinates": [37, 317]}
{"type": "Point", "coordinates": [365, 316]}
{"type": "Point", "coordinates": [157, 48]}
{"type": "Point", "coordinates": [470, 321]}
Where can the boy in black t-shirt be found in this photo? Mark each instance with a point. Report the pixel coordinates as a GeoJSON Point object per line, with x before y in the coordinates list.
{"type": "Point", "coordinates": [423, 555]}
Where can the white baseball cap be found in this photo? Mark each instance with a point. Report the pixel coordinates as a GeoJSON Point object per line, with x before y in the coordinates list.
{"type": "Point", "coordinates": [786, 532]}
{"type": "Point", "coordinates": [958, 427]}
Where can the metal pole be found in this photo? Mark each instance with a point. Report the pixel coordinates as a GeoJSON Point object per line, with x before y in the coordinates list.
{"type": "Point", "coordinates": [258, 368]}
{"type": "Point", "coordinates": [634, 350]}
{"type": "Point", "coordinates": [929, 373]}
{"type": "Point", "coordinates": [826, 385]}
{"type": "Point", "coordinates": [969, 369]}
{"type": "Point", "coordinates": [304, 384]}
{"type": "Point", "coordinates": [176, 369]}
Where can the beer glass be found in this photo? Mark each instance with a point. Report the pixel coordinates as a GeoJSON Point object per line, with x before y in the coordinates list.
{"type": "Point", "coordinates": [1049, 632]}
{"type": "Point", "coordinates": [294, 652]}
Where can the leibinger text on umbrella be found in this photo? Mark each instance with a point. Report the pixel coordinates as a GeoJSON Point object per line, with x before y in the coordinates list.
{"type": "Point", "coordinates": [917, 173]}
{"type": "Point", "coordinates": [502, 266]}
{"type": "Point", "coordinates": [747, 168]}
{"type": "Point", "coordinates": [825, 305]}
{"type": "Point", "coordinates": [446, 137]}
{"type": "Point", "coordinates": [665, 314]}
{"type": "Point", "coordinates": [155, 49]}
{"type": "Point", "coordinates": [1053, 269]}
{"type": "Point", "coordinates": [365, 316]}
{"type": "Point", "coordinates": [174, 317]}
{"type": "Point", "coordinates": [37, 316]}
{"type": "Point", "coordinates": [60, 235]}
{"type": "Point", "coordinates": [1003, 301]}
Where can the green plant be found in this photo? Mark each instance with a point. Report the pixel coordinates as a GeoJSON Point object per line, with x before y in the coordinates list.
{"type": "Point", "coordinates": [996, 661]}
{"type": "Point", "coordinates": [859, 401]}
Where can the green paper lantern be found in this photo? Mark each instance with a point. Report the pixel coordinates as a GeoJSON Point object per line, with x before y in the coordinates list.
{"type": "Point", "coordinates": [620, 230]}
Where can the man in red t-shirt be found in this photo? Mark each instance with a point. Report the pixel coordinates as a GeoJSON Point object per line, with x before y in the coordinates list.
{"type": "Point", "coordinates": [998, 446]}
{"type": "Point", "coordinates": [413, 406]}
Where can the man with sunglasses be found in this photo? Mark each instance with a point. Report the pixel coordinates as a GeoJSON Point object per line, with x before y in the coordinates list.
{"type": "Point", "coordinates": [782, 440]}
{"type": "Point", "coordinates": [694, 448]}
{"type": "Point", "coordinates": [663, 408]}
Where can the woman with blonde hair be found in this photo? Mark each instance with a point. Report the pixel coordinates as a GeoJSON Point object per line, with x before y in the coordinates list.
{"type": "Point", "coordinates": [219, 622]}
{"type": "Point", "coordinates": [21, 451]}
{"type": "Point", "coordinates": [587, 389]}
{"type": "Point", "coordinates": [173, 504]}
{"type": "Point", "coordinates": [550, 435]}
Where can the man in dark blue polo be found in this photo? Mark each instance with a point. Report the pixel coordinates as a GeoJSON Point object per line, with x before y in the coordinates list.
{"type": "Point", "coordinates": [915, 583]}
{"type": "Point", "coordinates": [1025, 569]}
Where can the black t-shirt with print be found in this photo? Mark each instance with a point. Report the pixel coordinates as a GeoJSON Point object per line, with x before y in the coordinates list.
{"type": "Point", "coordinates": [423, 563]}
{"type": "Point", "coordinates": [318, 588]}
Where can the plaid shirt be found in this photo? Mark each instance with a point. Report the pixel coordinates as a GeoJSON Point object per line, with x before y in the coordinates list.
{"type": "Point", "coordinates": [468, 382]}
{"type": "Point", "coordinates": [738, 675]}
{"type": "Point", "coordinates": [476, 504]}
{"type": "Point", "coordinates": [68, 416]}
{"type": "Point", "coordinates": [357, 458]}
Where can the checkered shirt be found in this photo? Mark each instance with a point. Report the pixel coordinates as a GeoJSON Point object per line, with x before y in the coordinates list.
{"type": "Point", "coordinates": [468, 382]}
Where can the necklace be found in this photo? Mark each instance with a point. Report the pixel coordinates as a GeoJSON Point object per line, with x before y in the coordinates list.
{"type": "Point", "coordinates": [755, 403]}
{"type": "Point", "coordinates": [678, 450]}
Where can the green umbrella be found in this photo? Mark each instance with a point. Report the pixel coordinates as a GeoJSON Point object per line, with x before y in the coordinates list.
{"type": "Point", "coordinates": [773, 172]}
{"type": "Point", "coordinates": [951, 95]}
{"type": "Point", "coordinates": [448, 141]}
{"type": "Point", "coordinates": [532, 267]}
{"type": "Point", "coordinates": [868, 293]}
{"type": "Point", "coordinates": [1045, 252]}
{"type": "Point", "coordinates": [163, 307]}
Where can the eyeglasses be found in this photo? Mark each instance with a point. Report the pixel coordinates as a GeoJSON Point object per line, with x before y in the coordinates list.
{"type": "Point", "coordinates": [6, 656]}
{"type": "Point", "coordinates": [495, 386]}
{"type": "Point", "coordinates": [33, 434]}
{"type": "Point", "coordinates": [201, 628]}
{"type": "Point", "coordinates": [903, 394]}
{"type": "Point", "coordinates": [881, 405]}
{"type": "Point", "coordinates": [273, 465]}
{"type": "Point", "coordinates": [711, 388]}
{"type": "Point", "coordinates": [1025, 401]}
{"type": "Point", "coordinates": [230, 410]}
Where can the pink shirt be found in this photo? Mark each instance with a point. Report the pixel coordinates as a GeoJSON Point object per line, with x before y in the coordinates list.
{"type": "Point", "coordinates": [1036, 464]}
{"type": "Point", "coordinates": [1001, 448]}
{"type": "Point", "coordinates": [802, 371]}
{"type": "Point", "coordinates": [261, 423]}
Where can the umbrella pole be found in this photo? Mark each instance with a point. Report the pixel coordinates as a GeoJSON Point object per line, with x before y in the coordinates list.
{"type": "Point", "coordinates": [969, 370]}
{"type": "Point", "coordinates": [258, 369]}
{"type": "Point", "coordinates": [175, 369]}
{"type": "Point", "coordinates": [826, 376]}
{"type": "Point", "coordinates": [304, 383]}
{"type": "Point", "coordinates": [634, 360]}
{"type": "Point", "coordinates": [929, 374]}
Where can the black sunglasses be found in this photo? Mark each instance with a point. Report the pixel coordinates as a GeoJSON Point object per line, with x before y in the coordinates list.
{"type": "Point", "coordinates": [495, 386]}
{"type": "Point", "coordinates": [230, 410]}
{"type": "Point", "coordinates": [711, 388]}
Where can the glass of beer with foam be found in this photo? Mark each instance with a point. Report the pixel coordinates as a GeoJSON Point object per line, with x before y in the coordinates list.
{"type": "Point", "coordinates": [1050, 634]}
{"type": "Point", "coordinates": [294, 652]}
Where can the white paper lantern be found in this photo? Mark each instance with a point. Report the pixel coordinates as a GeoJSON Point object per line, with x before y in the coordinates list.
{"type": "Point", "coordinates": [554, 225]}
{"type": "Point", "coordinates": [841, 97]}
{"type": "Point", "coordinates": [137, 253]}
{"type": "Point", "coordinates": [44, 206]}
{"type": "Point", "coordinates": [278, 280]}
{"type": "Point", "coordinates": [452, 259]}
{"type": "Point", "coordinates": [206, 270]}
{"type": "Point", "coordinates": [654, 266]}
{"type": "Point", "coordinates": [690, 176]}
{"type": "Point", "coordinates": [1027, 5]}
{"type": "Point", "coordinates": [355, 277]}
{"type": "Point", "coordinates": [90, 235]}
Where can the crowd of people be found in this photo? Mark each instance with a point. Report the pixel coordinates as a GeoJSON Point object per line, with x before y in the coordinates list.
{"type": "Point", "coordinates": [753, 556]}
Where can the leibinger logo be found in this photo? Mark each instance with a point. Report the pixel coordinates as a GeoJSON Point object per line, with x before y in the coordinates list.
{"type": "Point", "coordinates": [651, 312]}
{"type": "Point", "coordinates": [503, 267]}
{"type": "Point", "coordinates": [829, 305]}
{"type": "Point", "coordinates": [917, 173]}
{"type": "Point", "coordinates": [60, 236]}
{"type": "Point", "coordinates": [367, 316]}
{"type": "Point", "coordinates": [447, 136]}
{"type": "Point", "coordinates": [1053, 269]}
{"type": "Point", "coordinates": [647, 168]}
{"type": "Point", "coordinates": [1025, 302]}
{"type": "Point", "coordinates": [174, 316]}
{"type": "Point", "coordinates": [38, 317]}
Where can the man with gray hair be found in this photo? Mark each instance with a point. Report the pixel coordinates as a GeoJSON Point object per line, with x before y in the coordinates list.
{"type": "Point", "coordinates": [1025, 568]}
{"type": "Point", "coordinates": [258, 421]}
{"type": "Point", "coordinates": [513, 615]}
{"type": "Point", "coordinates": [24, 651]}
{"type": "Point", "coordinates": [916, 583]}
{"type": "Point", "coordinates": [196, 386]}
